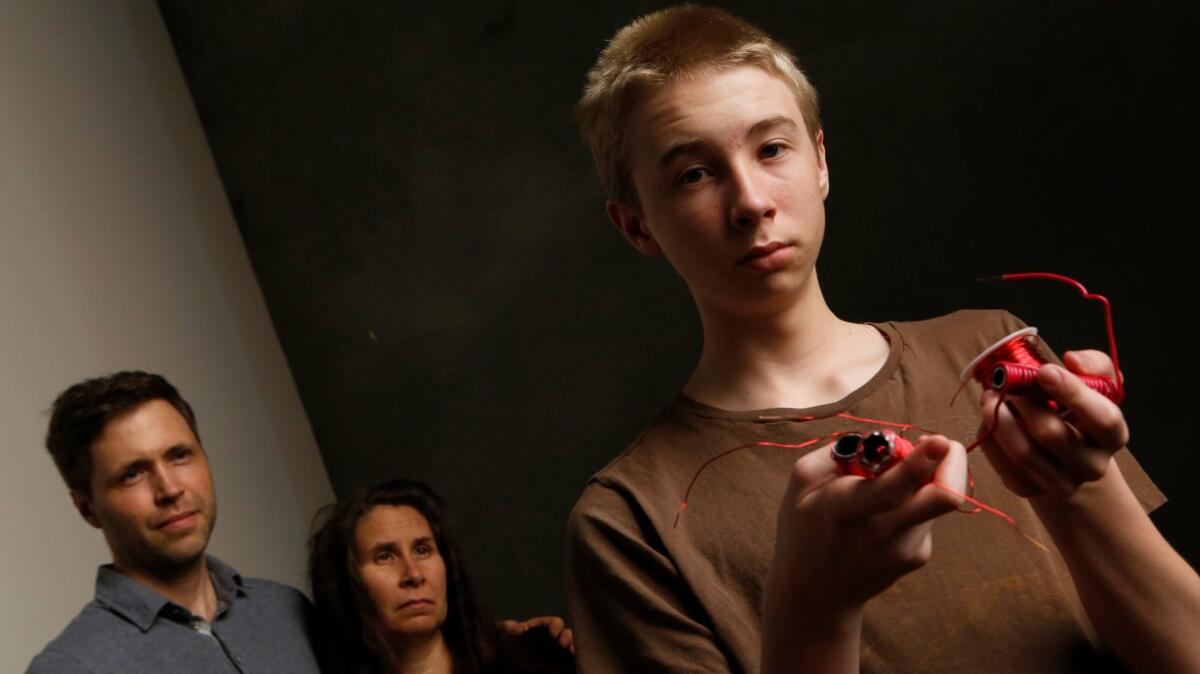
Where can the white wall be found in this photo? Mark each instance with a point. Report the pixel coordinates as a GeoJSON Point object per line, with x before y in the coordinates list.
{"type": "Point", "coordinates": [118, 250]}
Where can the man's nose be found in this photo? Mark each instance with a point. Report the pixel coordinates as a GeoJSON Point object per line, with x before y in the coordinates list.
{"type": "Point", "coordinates": [750, 201]}
{"type": "Point", "coordinates": [167, 486]}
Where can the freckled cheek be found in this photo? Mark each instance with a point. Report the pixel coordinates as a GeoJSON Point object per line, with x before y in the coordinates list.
{"type": "Point", "coordinates": [377, 589]}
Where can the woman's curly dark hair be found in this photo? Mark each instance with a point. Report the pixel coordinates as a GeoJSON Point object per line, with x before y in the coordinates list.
{"type": "Point", "coordinates": [348, 626]}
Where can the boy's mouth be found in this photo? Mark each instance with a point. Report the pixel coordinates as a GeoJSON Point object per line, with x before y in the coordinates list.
{"type": "Point", "coordinates": [767, 256]}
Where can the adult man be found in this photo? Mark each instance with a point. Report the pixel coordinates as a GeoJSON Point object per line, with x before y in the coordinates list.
{"type": "Point", "coordinates": [128, 448]}
{"type": "Point", "coordinates": [708, 141]}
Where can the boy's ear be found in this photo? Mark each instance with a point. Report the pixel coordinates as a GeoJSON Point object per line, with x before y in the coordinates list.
{"type": "Point", "coordinates": [629, 220]}
{"type": "Point", "coordinates": [822, 163]}
{"type": "Point", "coordinates": [84, 505]}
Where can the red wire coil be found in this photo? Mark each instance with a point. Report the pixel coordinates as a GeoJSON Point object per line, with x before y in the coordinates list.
{"type": "Point", "coordinates": [1013, 370]}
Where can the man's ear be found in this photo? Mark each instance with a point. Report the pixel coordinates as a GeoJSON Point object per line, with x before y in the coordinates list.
{"type": "Point", "coordinates": [822, 163]}
{"type": "Point", "coordinates": [628, 220]}
{"type": "Point", "coordinates": [84, 505]}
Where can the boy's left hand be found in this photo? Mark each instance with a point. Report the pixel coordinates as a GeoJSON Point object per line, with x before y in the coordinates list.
{"type": "Point", "coordinates": [1038, 451]}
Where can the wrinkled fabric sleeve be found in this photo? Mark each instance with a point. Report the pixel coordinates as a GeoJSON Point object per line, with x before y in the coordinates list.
{"type": "Point", "coordinates": [629, 608]}
{"type": "Point", "coordinates": [55, 662]}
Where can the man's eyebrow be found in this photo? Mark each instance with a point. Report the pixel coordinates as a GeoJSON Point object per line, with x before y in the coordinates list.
{"type": "Point", "coordinates": [770, 123]}
{"type": "Point", "coordinates": [126, 467]}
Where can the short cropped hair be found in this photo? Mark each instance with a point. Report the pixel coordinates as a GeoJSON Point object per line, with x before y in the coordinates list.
{"type": "Point", "coordinates": [80, 414]}
{"type": "Point", "coordinates": [659, 49]}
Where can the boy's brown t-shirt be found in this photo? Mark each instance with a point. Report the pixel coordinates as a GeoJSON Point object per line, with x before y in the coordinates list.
{"type": "Point", "coordinates": [647, 595]}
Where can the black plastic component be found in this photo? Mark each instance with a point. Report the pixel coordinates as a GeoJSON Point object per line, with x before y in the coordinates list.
{"type": "Point", "coordinates": [846, 447]}
{"type": "Point", "coordinates": [876, 448]}
{"type": "Point", "coordinates": [999, 378]}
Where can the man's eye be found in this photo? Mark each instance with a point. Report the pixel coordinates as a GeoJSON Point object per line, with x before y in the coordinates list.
{"type": "Point", "coordinates": [772, 150]}
{"type": "Point", "coordinates": [131, 475]}
{"type": "Point", "coordinates": [181, 454]}
{"type": "Point", "coordinates": [692, 176]}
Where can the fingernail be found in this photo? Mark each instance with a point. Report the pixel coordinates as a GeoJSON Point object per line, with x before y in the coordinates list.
{"type": "Point", "coordinates": [935, 453]}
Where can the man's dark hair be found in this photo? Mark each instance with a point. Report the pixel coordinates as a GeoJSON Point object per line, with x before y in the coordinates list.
{"type": "Point", "coordinates": [80, 414]}
{"type": "Point", "coordinates": [348, 617]}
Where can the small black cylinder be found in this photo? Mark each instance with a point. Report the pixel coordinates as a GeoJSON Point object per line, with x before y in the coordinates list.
{"type": "Point", "coordinates": [876, 448]}
{"type": "Point", "coordinates": [846, 447]}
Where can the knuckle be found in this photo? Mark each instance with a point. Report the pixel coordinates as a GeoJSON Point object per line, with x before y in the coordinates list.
{"type": "Point", "coordinates": [914, 559]}
{"type": "Point", "coordinates": [921, 557]}
{"type": "Point", "coordinates": [890, 500]}
{"type": "Point", "coordinates": [874, 530]}
{"type": "Point", "coordinates": [1066, 488]}
{"type": "Point", "coordinates": [1093, 470]}
{"type": "Point", "coordinates": [1017, 452]}
{"type": "Point", "coordinates": [946, 500]}
{"type": "Point", "coordinates": [798, 473]}
{"type": "Point", "coordinates": [1019, 487]}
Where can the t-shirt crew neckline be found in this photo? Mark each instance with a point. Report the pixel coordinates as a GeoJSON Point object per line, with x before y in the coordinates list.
{"type": "Point", "coordinates": [895, 349]}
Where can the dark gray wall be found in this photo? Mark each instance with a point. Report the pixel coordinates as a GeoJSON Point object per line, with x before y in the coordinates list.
{"type": "Point", "coordinates": [455, 307]}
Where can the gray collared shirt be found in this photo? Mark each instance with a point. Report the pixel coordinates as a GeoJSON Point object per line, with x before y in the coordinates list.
{"type": "Point", "coordinates": [259, 626]}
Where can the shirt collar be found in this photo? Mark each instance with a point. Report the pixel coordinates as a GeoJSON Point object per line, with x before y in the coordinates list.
{"type": "Point", "coordinates": [141, 606]}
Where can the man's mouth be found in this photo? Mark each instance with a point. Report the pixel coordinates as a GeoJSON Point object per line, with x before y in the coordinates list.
{"type": "Point", "coordinates": [179, 521]}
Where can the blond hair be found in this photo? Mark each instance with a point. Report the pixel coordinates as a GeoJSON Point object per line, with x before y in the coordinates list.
{"type": "Point", "coordinates": [657, 50]}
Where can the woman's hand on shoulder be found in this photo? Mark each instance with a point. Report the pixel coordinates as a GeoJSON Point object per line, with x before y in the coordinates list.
{"type": "Point", "coordinates": [554, 625]}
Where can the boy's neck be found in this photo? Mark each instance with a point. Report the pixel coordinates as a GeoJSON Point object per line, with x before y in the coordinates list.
{"type": "Point", "coordinates": [798, 356]}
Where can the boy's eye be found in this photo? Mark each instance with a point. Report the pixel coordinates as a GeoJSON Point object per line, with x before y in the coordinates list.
{"type": "Point", "coordinates": [692, 176]}
{"type": "Point", "coordinates": [772, 150]}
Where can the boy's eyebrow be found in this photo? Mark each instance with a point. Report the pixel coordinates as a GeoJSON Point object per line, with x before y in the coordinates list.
{"type": "Point", "coordinates": [689, 144]}
{"type": "Point", "coordinates": [770, 123]}
{"type": "Point", "coordinates": [682, 147]}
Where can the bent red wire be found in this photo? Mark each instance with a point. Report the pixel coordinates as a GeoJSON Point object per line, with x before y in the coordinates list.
{"type": "Point", "coordinates": [1115, 386]}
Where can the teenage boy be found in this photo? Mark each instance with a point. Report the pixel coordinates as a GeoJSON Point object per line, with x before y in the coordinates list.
{"type": "Point", "coordinates": [708, 142]}
{"type": "Point", "coordinates": [128, 447]}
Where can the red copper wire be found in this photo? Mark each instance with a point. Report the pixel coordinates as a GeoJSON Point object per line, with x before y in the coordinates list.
{"type": "Point", "coordinates": [1020, 352]}
{"type": "Point", "coordinates": [1013, 369]}
{"type": "Point", "coordinates": [903, 444]}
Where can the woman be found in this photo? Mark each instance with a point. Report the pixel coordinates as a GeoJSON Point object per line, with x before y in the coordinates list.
{"type": "Point", "coordinates": [392, 595]}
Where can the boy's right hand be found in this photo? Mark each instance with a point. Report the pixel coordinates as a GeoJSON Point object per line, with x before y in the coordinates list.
{"type": "Point", "coordinates": [841, 540]}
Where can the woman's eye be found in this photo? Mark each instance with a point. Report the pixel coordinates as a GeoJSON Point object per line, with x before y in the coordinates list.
{"type": "Point", "coordinates": [383, 557]}
{"type": "Point", "coordinates": [423, 550]}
